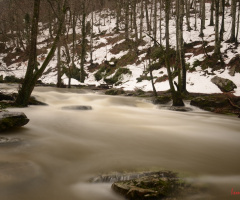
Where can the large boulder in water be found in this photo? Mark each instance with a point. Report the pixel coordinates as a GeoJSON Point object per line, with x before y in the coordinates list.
{"type": "Point", "coordinates": [12, 119]}
{"type": "Point", "coordinates": [225, 85]}
{"type": "Point", "coordinates": [154, 186]}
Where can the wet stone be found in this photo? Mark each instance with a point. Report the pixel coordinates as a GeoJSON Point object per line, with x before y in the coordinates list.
{"type": "Point", "coordinates": [15, 173]}
{"type": "Point", "coordinates": [180, 108]}
{"type": "Point", "coordinates": [10, 120]}
{"type": "Point", "coordinates": [77, 108]}
{"type": "Point", "coordinates": [155, 186]}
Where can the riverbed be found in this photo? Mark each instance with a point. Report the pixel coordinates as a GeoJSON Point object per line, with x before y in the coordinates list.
{"type": "Point", "coordinates": [61, 149]}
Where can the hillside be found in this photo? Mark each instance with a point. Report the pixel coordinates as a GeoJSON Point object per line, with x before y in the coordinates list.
{"type": "Point", "coordinates": [111, 52]}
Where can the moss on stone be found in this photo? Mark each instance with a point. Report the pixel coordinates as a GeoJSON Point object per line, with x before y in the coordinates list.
{"type": "Point", "coordinates": [116, 79]}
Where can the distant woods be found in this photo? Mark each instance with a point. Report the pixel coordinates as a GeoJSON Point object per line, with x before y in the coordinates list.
{"type": "Point", "coordinates": [22, 22]}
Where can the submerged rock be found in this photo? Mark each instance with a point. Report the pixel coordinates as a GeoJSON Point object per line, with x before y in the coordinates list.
{"type": "Point", "coordinates": [77, 108]}
{"type": "Point", "coordinates": [180, 108]}
{"type": "Point", "coordinates": [9, 141]}
{"type": "Point", "coordinates": [12, 119]}
{"type": "Point", "coordinates": [225, 85]}
{"type": "Point", "coordinates": [16, 173]}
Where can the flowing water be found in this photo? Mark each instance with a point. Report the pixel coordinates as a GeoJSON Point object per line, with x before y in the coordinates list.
{"type": "Point", "coordinates": [62, 149]}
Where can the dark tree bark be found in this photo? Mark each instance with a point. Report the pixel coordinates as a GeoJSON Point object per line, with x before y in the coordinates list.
{"type": "Point", "coordinates": [217, 38]}
{"type": "Point", "coordinates": [176, 96]}
{"type": "Point", "coordinates": [83, 53]}
{"type": "Point", "coordinates": [211, 17]}
{"type": "Point", "coordinates": [233, 32]}
{"type": "Point", "coordinates": [126, 20]}
{"type": "Point", "coordinates": [223, 15]}
{"type": "Point", "coordinates": [25, 91]}
{"type": "Point", "coordinates": [202, 18]}
{"type": "Point", "coordinates": [33, 73]}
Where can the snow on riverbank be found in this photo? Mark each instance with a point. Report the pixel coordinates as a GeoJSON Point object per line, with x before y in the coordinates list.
{"type": "Point", "coordinates": [197, 81]}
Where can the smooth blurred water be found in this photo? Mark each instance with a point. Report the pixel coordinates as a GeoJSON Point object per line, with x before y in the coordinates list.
{"type": "Point", "coordinates": [63, 149]}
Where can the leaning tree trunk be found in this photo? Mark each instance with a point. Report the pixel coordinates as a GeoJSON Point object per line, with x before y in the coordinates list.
{"type": "Point", "coordinates": [33, 73]}
{"type": "Point", "coordinates": [24, 93]}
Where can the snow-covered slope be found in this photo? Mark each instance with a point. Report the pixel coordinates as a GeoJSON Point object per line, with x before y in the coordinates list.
{"type": "Point", "coordinates": [197, 81]}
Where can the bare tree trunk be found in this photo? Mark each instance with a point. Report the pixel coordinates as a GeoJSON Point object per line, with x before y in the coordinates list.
{"type": "Point", "coordinates": [126, 20]}
{"type": "Point", "coordinates": [233, 32]}
{"type": "Point", "coordinates": [118, 15]}
{"type": "Point", "coordinates": [187, 8]}
{"type": "Point", "coordinates": [24, 93]}
{"type": "Point", "coordinates": [217, 38]}
{"type": "Point", "coordinates": [238, 21]}
{"type": "Point", "coordinates": [91, 37]}
{"type": "Point", "coordinates": [160, 22]}
{"type": "Point", "coordinates": [59, 72]}
{"type": "Point", "coordinates": [223, 16]}
{"type": "Point", "coordinates": [202, 18]}
{"type": "Point", "coordinates": [211, 18]}
{"type": "Point", "coordinates": [33, 73]}
{"type": "Point", "coordinates": [141, 21]}
{"type": "Point", "coordinates": [195, 24]}
{"type": "Point", "coordinates": [147, 15]}
{"type": "Point", "coordinates": [176, 96]}
{"type": "Point", "coordinates": [182, 85]}
{"type": "Point", "coordinates": [135, 20]}
{"type": "Point", "coordinates": [155, 23]}
{"type": "Point", "coordinates": [83, 53]}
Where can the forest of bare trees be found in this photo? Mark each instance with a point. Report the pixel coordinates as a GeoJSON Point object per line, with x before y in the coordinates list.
{"type": "Point", "coordinates": [22, 21]}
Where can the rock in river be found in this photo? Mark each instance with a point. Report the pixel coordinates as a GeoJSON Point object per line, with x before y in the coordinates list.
{"type": "Point", "coordinates": [77, 108]}
{"type": "Point", "coordinates": [12, 119]}
{"type": "Point", "coordinates": [154, 186]}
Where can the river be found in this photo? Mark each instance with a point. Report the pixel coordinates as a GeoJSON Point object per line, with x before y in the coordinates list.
{"type": "Point", "coordinates": [62, 149]}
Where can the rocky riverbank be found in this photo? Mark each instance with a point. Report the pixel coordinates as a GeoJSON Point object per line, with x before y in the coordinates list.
{"type": "Point", "coordinates": [222, 103]}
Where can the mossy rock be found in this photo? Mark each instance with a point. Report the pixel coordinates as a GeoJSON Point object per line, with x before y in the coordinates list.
{"type": "Point", "coordinates": [162, 99]}
{"type": "Point", "coordinates": [117, 78]}
{"type": "Point", "coordinates": [114, 91]}
{"type": "Point", "coordinates": [12, 79]}
{"type": "Point", "coordinates": [139, 92]}
{"type": "Point", "coordinates": [209, 103]}
{"type": "Point", "coordinates": [75, 72]}
{"type": "Point", "coordinates": [225, 85]}
{"type": "Point", "coordinates": [154, 186]}
{"type": "Point", "coordinates": [10, 120]}
{"type": "Point", "coordinates": [143, 77]}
